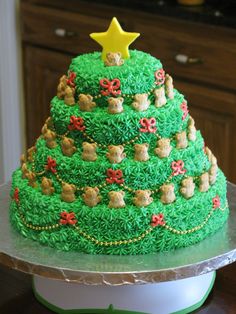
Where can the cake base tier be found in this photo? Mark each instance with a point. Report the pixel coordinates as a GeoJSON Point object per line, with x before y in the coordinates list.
{"type": "Point", "coordinates": [117, 231]}
{"type": "Point", "coordinates": [180, 296]}
{"type": "Point", "coordinates": [29, 256]}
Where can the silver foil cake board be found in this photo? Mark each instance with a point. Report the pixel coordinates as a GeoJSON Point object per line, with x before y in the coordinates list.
{"type": "Point", "coordinates": [31, 257]}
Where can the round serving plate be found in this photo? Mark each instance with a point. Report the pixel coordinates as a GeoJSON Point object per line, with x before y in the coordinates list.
{"type": "Point", "coordinates": [166, 271]}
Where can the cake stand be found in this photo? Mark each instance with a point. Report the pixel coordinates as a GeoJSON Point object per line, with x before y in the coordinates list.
{"type": "Point", "coordinates": [160, 283]}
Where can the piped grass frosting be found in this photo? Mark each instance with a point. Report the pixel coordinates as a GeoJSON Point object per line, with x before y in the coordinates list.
{"type": "Point", "coordinates": [127, 182]}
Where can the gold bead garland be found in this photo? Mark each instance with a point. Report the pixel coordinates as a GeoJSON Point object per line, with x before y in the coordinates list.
{"type": "Point", "coordinates": [37, 228]}
{"type": "Point", "coordinates": [113, 243]}
{"type": "Point", "coordinates": [34, 170]}
{"type": "Point", "coordinates": [105, 146]}
{"type": "Point", "coordinates": [121, 242]}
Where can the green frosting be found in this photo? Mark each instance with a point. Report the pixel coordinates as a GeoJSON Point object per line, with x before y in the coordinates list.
{"type": "Point", "coordinates": [136, 75]}
{"type": "Point", "coordinates": [115, 129]}
{"type": "Point", "coordinates": [100, 222]}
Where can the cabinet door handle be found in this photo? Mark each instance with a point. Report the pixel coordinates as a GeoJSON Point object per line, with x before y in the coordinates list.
{"type": "Point", "coordinates": [184, 59]}
{"type": "Point", "coordinates": [62, 32]}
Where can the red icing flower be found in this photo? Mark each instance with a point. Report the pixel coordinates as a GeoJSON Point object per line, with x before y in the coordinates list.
{"type": "Point", "coordinates": [70, 80]}
{"type": "Point", "coordinates": [177, 167]}
{"type": "Point", "coordinates": [160, 77]}
{"type": "Point", "coordinates": [114, 176]}
{"type": "Point", "coordinates": [157, 220]}
{"type": "Point", "coordinates": [185, 110]}
{"type": "Point", "coordinates": [76, 123]}
{"type": "Point", "coordinates": [68, 218]}
{"type": "Point", "coordinates": [16, 195]}
{"type": "Point", "coordinates": [149, 125]}
{"type": "Point", "coordinates": [51, 165]}
{"type": "Point", "coordinates": [216, 201]}
{"type": "Point", "coordinates": [111, 87]}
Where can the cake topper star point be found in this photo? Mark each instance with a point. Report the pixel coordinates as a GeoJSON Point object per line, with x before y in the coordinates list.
{"type": "Point", "coordinates": [115, 39]}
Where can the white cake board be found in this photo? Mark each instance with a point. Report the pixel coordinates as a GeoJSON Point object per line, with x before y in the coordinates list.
{"type": "Point", "coordinates": [180, 296]}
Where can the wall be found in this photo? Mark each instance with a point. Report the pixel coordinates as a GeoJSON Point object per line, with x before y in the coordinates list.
{"type": "Point", "coordinates": [11, 98]}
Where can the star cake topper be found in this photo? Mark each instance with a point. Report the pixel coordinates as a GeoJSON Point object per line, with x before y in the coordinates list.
{"type": "Point", "coordinates": [115, 39]}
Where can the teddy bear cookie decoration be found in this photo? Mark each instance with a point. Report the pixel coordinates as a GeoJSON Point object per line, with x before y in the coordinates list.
{"type": "Point", "coordinates": [187, 188]}
{"type": "Point", "coordinates": [214, 167]}
{"type": "Point", "coordinates": [68, 192]}
{"type": "Point", "coordinates": [89, 151]}
{"type": "Point", "coordinates": [160, 97]}
{"type": "Point", "coordinates": [141, 152]}
{"type": "Point", "coordinates": [181, 140]}
{"type": "Point", "coordinates": [115, 105]}
{"type": "Point", "coordinates": [191, 129]}
{"type": "Point", "coordinates": [30, 153]}
{"type": "Point", "coordinates": [30, 176]}
{"type": "Point", "coordinates": [167, 193]}
{"type": "Point", "coordinates": [163, 148]}
{"type": "Point", "coordinates": [24, 171]}
{"type": "Point", "coordinates": [91, 196]}
{"type": "Point", "coordinates": [69, 98]}
{"type": "Point", "coordinates": [115, 154]}
{"type": "Point", "coordinates": [65, 91]}
{"type": "Point", "coordinates": [204, 182]}
{"type": "Point", "coordinates": [116, 199]}
{"type": "Point", "coordinates": [169, 86]}
{"type": "Point", "coordinates": [67, 146]}
{"type": "Point", "coordinates": [142, 198]}
{"type": "Point", "coordinates": [61, 87]}
{"type": "Point", "coordinates": [86, 102]}
{"type": "Point", "coordinates": [141, 102]}
{"type": "Point", "coordinates": [50, 138]}
{"type": "Point", "coordinates": [113, 59]}
{"type": "Point", "coordinates": [47, 186]}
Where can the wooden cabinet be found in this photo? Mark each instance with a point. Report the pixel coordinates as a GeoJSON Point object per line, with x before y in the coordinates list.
{"type": "Point", "coordinates": [42, 70]}
{"type": "Point", "coordinates": [215, 115]}
{"type": "Point", "coordinates": [55, 31]}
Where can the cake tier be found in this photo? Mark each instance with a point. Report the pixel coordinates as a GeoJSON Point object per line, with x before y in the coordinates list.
{"type": "Point", "coordinates": [128, 230]}
{"type": "Point", "coordinates": [118, 129]}
{"type": "Point", "coordinates": [136, 75]}
{"type": "Point", "coordinates": [137, 175]}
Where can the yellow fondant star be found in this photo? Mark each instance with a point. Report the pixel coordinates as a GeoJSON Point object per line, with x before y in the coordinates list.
{"type": "Point", "coordinates": [115, 39]}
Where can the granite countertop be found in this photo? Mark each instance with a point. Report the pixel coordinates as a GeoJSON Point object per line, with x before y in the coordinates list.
{"type": "Point", "coordinates": [214, 12]}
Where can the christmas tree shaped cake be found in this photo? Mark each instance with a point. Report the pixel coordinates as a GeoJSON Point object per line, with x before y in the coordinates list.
{"type": "Point", "coordinates": [119, 167]}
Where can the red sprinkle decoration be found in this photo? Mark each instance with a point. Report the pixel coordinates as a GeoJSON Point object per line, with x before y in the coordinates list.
{"type": "Point", "coordinates": [70, 80]}
{"type": "Point", "coordinates": [177, 167]}
{"type": "Point", "coordinates": [216, 202]}
{"type": "Point", "coordinates": [157, 220]}
{"type": "Point", "coordinates": [149, 125]}
{"type": "Point", "coordinates": [16, 195]}
{"type": "Point", "coordinates": [51, 165]}
{"type": "Point", "coordinates": [111, 87]}
{"type": "Point", "coordinates": [114, 176]}
{"type": "Point", "coordinates": [185, 110]}
{"type": "Point", "coordinates": [160, 77]}
{"type": "Point", "coordinates": [76, 123]}
{"type": "Point", "coordinates": [68, 218]}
